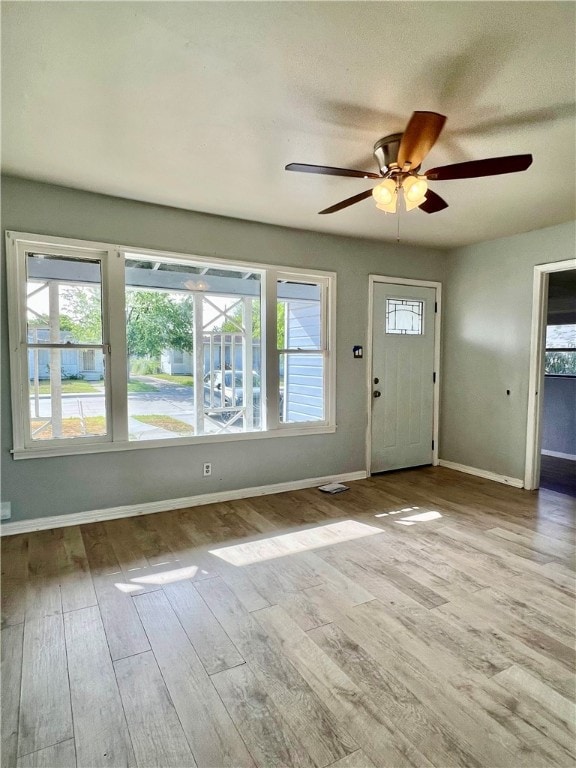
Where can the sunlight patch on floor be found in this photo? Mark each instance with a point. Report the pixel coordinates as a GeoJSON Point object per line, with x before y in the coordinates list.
{"type": "Point", "coordinates": [167, 577]}
{"type": "Point", "coordinates": [396, 511]}
{"type": "Point", "coordinates": [248, 552]}
{"type": "Point", "coordinates": [291, 543]}
{"type": "Point", "coordinates": [422, 517]}
{"type": "Point", "coordinates": [128, 588]}
{"type": "Point", "coordinates": [163, 577]}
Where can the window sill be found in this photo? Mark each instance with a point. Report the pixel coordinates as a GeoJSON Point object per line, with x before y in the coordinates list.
{"type": "Point", "coordinates": [88, 448]}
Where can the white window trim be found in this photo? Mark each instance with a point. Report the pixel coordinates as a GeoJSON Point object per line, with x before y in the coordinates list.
{"type": "Point", "coordinates": [327, 342]}
{"type": "Point", "coordinates": [114, 333]}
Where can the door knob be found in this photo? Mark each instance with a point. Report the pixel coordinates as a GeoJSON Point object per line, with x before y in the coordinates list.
{"type": "Point", "coordinates": [377, 393]}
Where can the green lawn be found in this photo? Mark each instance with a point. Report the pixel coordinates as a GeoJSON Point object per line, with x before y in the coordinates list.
{"type": "Point", "coordinates": [71, 427]}
{"type": "Point", "coordinates": [141, 386]}
{"type": "Point", "coordinates": [69, 387]}
{"type": "Point", "coordinates": [166, 422]}
{"type": "Point", "coordinates": [183, 381]}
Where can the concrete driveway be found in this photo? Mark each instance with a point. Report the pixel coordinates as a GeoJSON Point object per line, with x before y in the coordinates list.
{"type": "Point", "coordinates": [169, 400]}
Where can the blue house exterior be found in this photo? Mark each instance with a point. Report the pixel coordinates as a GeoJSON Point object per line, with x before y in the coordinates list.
{"type": "Point", "coordinates": [85, 364]}
{"type": "Point", "coordinates": [303, 373]}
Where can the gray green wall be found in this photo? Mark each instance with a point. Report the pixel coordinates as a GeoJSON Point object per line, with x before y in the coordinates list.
{"type": "Point", "coordinates": [486, 347]}
{"type": "Point", "coordinates": [60, 485]}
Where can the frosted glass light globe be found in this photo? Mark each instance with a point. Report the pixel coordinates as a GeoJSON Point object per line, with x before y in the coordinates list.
{"type": "Point", "coordinates": [385, 192]}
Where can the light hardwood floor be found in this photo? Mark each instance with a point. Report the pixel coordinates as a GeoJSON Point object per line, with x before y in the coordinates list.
{"type": "Point", "coordinates": [422, 618]}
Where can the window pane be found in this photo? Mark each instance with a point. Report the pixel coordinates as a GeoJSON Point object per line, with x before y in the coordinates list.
{"type": "Point", "coordinates": [227, 402]}
{"type": "Point", "coordinates": [231, 344]}
{"type": "Point", "coordinates": [560, 363]}
{"type": "Point", "coordinates": [67, 399]}
{"type": "Point", "coordinates": [404, 316]}
{"type": "Point", "coordinates": [560, 336]}
{"type": "Point", "coordinates": [301, 388]}
{"type": "Point", "coordinates": [299, 315]}
{"type": "Point", "coordinates": [64, 300]}
{"type": "Point", "coordinates": [176, 389]}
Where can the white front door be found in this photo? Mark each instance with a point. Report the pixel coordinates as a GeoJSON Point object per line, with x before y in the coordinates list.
{"type": "Point", "coordinates": [403, 328]}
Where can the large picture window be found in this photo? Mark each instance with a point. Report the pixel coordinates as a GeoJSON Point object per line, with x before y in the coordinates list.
{"type": "Point", "coordinates": [116, 348]}
{"type": "Point", "coordinates": [192, 332]}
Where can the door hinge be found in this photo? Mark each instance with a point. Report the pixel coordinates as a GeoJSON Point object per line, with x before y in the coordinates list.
{"type": "Point", "coordinates": [434, 377]}
{"type": "Point", "coordinates": [435, 307]}
{"type": "Point", "coordinates": [432, 444]}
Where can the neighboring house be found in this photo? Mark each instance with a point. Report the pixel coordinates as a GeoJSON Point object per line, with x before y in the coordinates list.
{"type": "Point", "coordinates": [74, 363]}
{"type": "Point", "coordinates": [217, 347]}
{"type": "Point", "coordinates": [176, 363]}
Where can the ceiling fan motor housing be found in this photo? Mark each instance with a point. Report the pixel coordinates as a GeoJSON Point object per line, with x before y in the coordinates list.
{"type": "Point", "coordinates": [386, 153]}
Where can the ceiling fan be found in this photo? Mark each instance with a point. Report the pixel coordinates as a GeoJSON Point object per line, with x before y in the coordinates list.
{"type": "Point", "coordinates": [399, 157]}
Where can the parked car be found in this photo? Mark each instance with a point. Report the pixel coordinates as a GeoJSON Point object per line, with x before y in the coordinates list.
{"type": "Point", "coordinates": [228, 392]}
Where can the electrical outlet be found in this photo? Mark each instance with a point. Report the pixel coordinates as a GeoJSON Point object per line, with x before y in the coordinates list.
{"type": "Point", "coordinates": [5, 511]}
{"type": "Point", "coordinates": [207, 469]}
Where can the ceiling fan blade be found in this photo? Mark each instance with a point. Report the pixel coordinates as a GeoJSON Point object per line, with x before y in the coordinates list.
{"type": "Point", "coordinates": [328, 171]}
{"type": "Point", "coordinates": [347, 202]}
{"type": "Point", "coordinates": [419, 137]}
{"type": "Point", "coordinates": [492, 166]}
{"type": "Point", "coordinates": [433, 203]}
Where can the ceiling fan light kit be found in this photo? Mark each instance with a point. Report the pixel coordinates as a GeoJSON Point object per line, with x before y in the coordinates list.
{"type": "Point", "coordinates": [385, 194]}
{"type": "Point", "coordinates": [399, 157]}
{"type": "Point", "coordinates": [415, 188]}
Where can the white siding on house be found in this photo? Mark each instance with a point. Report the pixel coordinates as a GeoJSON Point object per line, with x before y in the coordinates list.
{"type": "Point", "coordinates": [176, 363]}
{"type": "Point", "coordinates": [304, 388]}
{"type": "Point", "coordinates": [303, 374]}
{"type": "Point", "coordinates": [71, 364]}
{"type": "Point", "coordinates": [303, 324]}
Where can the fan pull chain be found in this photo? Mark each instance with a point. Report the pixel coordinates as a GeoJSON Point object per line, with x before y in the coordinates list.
{"type": "Point", "coordinates": [398, 230]}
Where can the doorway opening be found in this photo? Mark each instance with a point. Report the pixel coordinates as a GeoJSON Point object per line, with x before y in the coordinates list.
{"type": "Point", "coordinates": [558, 449]}
{"type": "Point", "coordinates": [551, 444]}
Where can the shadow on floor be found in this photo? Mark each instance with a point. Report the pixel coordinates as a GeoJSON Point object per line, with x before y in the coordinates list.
{"type": "Point", "coordinates": [558, 475]}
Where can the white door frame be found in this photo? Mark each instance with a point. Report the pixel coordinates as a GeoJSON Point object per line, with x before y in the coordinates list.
{"type": "Point", "coordinates": [536, 380]}
{"type": "Point", "coordinates": [374, 280]}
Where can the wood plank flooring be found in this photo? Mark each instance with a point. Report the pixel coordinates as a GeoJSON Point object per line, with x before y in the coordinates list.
{"type": "Point", "coordinates": [423, 618]}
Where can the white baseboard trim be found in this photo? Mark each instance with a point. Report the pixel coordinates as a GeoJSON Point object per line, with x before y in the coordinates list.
{"type": "Point", "coordinates": [516, 482]}
{"type": "Point", "coordinates": [148, 508]}
{"type": "Point", "coordinates": [558, 455]}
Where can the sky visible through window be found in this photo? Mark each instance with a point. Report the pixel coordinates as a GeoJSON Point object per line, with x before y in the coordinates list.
{"type": "Point", "coordinates": [560, 358]}
{"type": "Point", "coordinates": [561, 336]}
{"type": "Point", "coordinates": [39, 303]}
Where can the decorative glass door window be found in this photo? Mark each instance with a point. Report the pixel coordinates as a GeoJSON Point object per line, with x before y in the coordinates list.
{"type": "Point", "coordinates": [405, 317]}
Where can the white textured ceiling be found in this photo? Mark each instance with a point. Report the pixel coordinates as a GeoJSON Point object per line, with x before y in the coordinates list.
{"type": "Point", "coordinates": [201, 105]}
